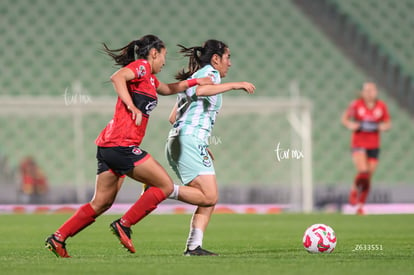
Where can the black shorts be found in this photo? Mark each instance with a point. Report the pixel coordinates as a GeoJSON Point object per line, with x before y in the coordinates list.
{"type": "Point", "coordinates": [371, 153]}
{"type": "Point", "coordinates": [119, 160]}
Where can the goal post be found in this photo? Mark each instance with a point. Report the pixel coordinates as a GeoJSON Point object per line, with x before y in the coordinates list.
{"type": "Point", "coordinates": [297, 111]}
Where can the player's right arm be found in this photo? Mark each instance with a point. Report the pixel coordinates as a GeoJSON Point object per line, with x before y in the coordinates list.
{"type": "Point", "coordinates": [347, 118]}
{"type": "Point", "coordinates": [119, 80]}
{"type": "Point", "coordinates": [177, 87]}
{"type": "Point", "coordinates": [349, 123]}
{"type": "Point", "coordinates": [385, 125]}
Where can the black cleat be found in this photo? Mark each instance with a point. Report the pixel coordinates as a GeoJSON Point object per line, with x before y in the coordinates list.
{"type": "Point", "coordinates": [198, 251]}
{"type": "Point", "coordinates": [124, 235]}
{"type": "Point", "coordinates": [56, 247]}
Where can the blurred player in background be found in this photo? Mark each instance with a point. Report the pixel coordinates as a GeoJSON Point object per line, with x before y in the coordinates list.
{"type": "Point", "coordinates": [118, 151]}
{"type": "Point", "coordinates": [193, 118]}
{"type": "Point", "coordinates": [34, 182]}
{"type": "Point", "coordinates": [366, 117]}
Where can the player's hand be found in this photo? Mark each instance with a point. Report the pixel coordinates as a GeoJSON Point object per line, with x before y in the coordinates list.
{"type": "Point", "coordinates": [136, 114]}
{"type": "Point", "coordinates": [247, 86]}
{"type": "Point", "coordinates": [384, 126]}
{"type": "Point", "coordinates": [353, 126]}
{"type": "Point", "coordinates": [205, 81]}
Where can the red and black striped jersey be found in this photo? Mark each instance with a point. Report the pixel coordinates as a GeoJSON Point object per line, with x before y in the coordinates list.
{"type": "Point", "coordinates": [122, 130]}
{"type": "Point", "coordinates": [367, 136]}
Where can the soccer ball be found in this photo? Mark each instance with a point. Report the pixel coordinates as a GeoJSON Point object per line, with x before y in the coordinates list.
{"type": "Point", "coordinates": [319, 238]}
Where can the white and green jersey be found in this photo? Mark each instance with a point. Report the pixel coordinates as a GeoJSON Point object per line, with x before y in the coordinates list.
{"type": "Point", "coordinates": [196, 114]}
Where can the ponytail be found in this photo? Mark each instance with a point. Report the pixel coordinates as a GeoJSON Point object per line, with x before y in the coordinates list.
{"type": "Point", "coordinates": [194, 62]}
{"type": "Point", "coordinates": [137, 49]}
{"type": "Point", "coordinates": [200, 56]}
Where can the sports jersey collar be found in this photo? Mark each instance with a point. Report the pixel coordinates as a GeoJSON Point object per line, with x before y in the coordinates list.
{"type": "Point", "coordinates": [366, 106]}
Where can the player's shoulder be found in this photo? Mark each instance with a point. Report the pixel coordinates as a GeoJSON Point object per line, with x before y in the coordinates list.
{"type": "Point", "coordinates": [140, 67]}
{"type": "Point", "coordinates": [381, 103]}
{"type": "Point", "coordinates": [209, 70]}
{"type": "Point", "coordinates": [357, 102]}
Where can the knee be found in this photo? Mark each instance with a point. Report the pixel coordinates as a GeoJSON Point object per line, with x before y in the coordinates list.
{"type": "Point", "coordinates": [168, 189]}
{"type": "Point", "coordinates": [101, 207]}
{"type": "Point", "coordinates": [210, 201]}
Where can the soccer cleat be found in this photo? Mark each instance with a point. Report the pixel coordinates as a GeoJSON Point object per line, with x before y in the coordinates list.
{"type": "Point", "coordinates": [353, 197]}
{"type": "Point", "coordinates": [198, 251]}
{"type": "Point", "coordinates": [360, 211]}
{"type": "Point", "coordinates": [56, 246]}
{"type": "Point", "coordinates": [124, 235]}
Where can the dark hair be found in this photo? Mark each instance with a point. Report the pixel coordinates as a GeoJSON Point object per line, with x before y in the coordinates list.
{"type": "Point", "coordinates": [137, 49]}
{"type": "Point", "coordinates": [200, 56]}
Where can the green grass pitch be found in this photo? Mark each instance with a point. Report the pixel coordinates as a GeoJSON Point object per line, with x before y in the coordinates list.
{"type": "Point", "coordinates": [248, 244]}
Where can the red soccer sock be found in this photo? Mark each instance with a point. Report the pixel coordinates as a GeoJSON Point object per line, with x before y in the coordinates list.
{"type": "Point", "coordinates": [81, 219]}
{"type": "Point", "coordinates": [364, 193]}
{"type": "Point", "coordinates": [363, 184]}
{"type": "Point", "coordinates": [353, 197]}
{"type": "Point", "coordinates": [148, 201]}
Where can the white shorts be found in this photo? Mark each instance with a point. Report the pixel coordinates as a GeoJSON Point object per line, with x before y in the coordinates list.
{"type": "Point", "coordinates": [188, 157]}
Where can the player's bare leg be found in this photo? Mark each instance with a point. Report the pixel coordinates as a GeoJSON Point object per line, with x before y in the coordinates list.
{"type": "Point", "coordinates": [207, 184]}
{"type": "Point", "coordinates": [153, 174]}
{"type": "Point", "coordinates": [197, 196]}
{"type": "Point", "coordinates": [106, 188]}
{"type": "Point", "coordinates": [190, 194]}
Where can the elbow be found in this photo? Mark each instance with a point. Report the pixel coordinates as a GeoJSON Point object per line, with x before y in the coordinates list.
{"type": "Point", "coordinates": [115, 78]}
{"type": "Point", "coordinates": [344, 122]}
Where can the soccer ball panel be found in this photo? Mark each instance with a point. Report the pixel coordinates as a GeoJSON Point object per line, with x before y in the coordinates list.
{"type": "Point", "coordinates": [319, 238]}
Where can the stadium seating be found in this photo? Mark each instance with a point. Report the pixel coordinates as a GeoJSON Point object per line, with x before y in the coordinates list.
{"type": "Point", "coordinates": [388, 24]}
{"type": "Point", "coordinates": [48, 45]}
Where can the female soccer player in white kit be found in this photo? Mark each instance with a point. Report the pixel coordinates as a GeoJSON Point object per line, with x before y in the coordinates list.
{"type": "Point", "coordinates": [193, 118]}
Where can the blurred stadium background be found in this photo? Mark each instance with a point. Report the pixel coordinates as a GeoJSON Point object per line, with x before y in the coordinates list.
{"type": "Point", "coordinates": [55, 94]}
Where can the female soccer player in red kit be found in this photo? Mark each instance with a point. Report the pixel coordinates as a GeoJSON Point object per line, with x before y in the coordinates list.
{"type": "Point", "coordinates": [118, 152]}
{"type": "Point", "coordinates": [366, 117]}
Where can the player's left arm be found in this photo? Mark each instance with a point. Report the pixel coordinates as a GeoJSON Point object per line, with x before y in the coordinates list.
{"type": "Point", "coordinates": [173, 88]}
{"type": "Point", "coordinates": [385, 125]}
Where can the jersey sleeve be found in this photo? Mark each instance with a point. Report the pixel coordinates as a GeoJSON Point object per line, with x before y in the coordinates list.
{"type": "Point", "coordinates": [215, 76]}
{"type": "Point", "coordinates": [351, 110]}
{"type": "Point", "coordinates": [210, 72]}
{"type": "Point", "coordinates": [139, 67]}
{"type": "Point", "coordinates": [386, 115]}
